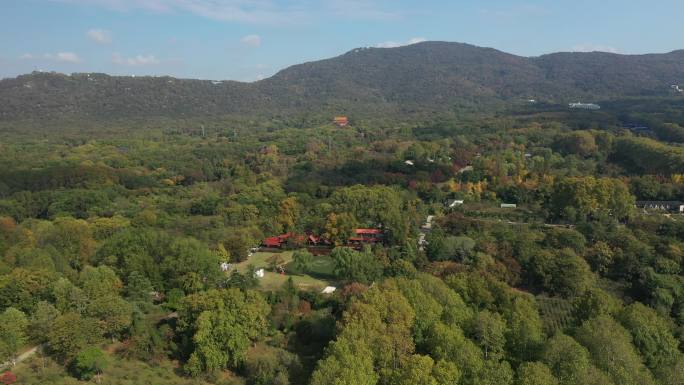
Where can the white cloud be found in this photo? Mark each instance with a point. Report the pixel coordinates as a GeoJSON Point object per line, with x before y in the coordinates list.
{"type": "Point", "coordinates": [257, 11]}
{"type": "Point", "coordinates": [394, 44]}
{"type": "Point", "coordinates": [139, 60]}
{"type": "Point", "coordinates": [594, 48]}
{"type": "Point", "coordinates": [68, 57]}
{"type": "Point", "coordinates": [26, 56]}
{"type": "Point", "coordinates": [251, 40]}
{"type": "Point", "coordinates": [100, 36]}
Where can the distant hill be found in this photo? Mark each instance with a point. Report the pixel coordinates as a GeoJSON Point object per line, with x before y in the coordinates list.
{"type": "Point", "coordinates": [430, 76]}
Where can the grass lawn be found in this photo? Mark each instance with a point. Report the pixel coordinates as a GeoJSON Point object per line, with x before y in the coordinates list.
{"type": "Point", "coordinates": [317, 279]}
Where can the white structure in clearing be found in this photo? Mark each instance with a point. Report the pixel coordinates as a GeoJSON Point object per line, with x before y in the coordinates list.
{"type": "Point", "coordinates": [329, 290]}
{"type": "Point", "coordinates": [584, 106]}
{"type": "Point", "coordinates": [259, 273]}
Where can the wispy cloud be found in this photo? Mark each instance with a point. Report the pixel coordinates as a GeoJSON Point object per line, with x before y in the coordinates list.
{"type": "Point", "coordinates": [66, 57]}
{"type": "Point", "coordinates": [256, 11]}
{"type": "Point", "coordinates": [27, 56]}
{"type": "Point", "coordinates": [139, 60]}
{"type": "Point", "coordinates": [517, 11]}
{"type": "Point", "coordinates": [251, 40]}
{"type": "Point", "coordinates": [394, 44]}
{"type": "Point", "coordinates": [594, 48]}
{"type": "Point", "coordinates": [99, 36]}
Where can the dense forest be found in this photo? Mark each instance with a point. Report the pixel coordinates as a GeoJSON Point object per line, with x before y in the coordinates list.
{"type": "Point", "coordinates": [131, 250]}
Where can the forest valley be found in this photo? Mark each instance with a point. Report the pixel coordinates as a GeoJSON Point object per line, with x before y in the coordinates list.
{"type": "Point", "coordinates": [113, 236]}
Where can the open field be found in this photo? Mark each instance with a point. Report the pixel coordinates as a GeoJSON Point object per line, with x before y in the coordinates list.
{"type": "Point", "coordinates": [317, 279]}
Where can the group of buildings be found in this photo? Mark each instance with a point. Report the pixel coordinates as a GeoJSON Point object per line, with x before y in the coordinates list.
{"type": "Point", "coordinates": [359, 238]}
{"type": "Point", "coordinates": [668, 206]}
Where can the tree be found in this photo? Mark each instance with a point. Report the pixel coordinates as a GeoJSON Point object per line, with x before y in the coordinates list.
{"type": "Point", "coordinates": [288, 213]}
{"type": "Point", "coordinates": [340, 227]}
{"type": "Point", "coordinates": [113, 312]}
{"type": "Point", "coordinates": [495, 373]}
{"type": "Point", "coordinates": [351, 265]}
{"type": "Point", "coordinates": [593, 303]}
{"type": "Point", "coordinates": [220, 325]}
{"type": "Point", "coordinates": [418, 370]}
{"type": "Point", "coordinates": [489, 330]}
{"type": "Point", "coordinates": [8, 378]}
{"type": "Point", "coordinates": [68, 297]}
{"type": "Point", "coordinates": [446, 373]}
{"type": "Point", "coordinates": [138, 287]}
{"type": "Point", "coordinates": [88, 363]}
{"type": "Point", "coordinates": [41, 321]}
{"type": "Point", "coordinates": [71, 333]}
{"type": "Point", "coordinates": [100, 281]}
{"type": "Point", "coordinates": [581, 143]}
{"type": "Point", "coordinates": [525, 334]}
{"type": "Point", "coordinates": [302, 260]}
{"type": "Point", "coordinates": [567, 359]}
{"type": "Point", "coordinates": [347, 362]}
{"type": "Point", "coordinates": [23, 288]}
{"type": "Point", "coordinates": [13, 329]}
{"type": "Point", "coordinates": [611, 348]}
{"type": "Point", "coordinates": [272, 366]}
{"type": "Point", "coordinates": [600, 257]}
{"type": "Point", "coordinates": [72, 238]}
{"type": "Point", "coordinates": [652, 336]}
{"type": "Point", "coordinates": [449, 344]}
{"type": "Point", "coordinates": [188, 255]}
{"type": "Point", "coordinates": [534, 373]}
{"type": "Point", "coordinates": [580, 198]}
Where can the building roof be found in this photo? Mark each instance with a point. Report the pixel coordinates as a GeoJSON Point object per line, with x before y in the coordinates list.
{"type": "Point", "coordinates": [329, 290]}
{"type": "Point", "coordinates": [368, 231]}
{"type": "Point", "coordinates": [272, 241]}
{"type": "Point", "coordinates": [659, 203]}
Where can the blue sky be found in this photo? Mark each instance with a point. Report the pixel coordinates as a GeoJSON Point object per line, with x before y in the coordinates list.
{"type": "Point", "coordinates": [250, 39]}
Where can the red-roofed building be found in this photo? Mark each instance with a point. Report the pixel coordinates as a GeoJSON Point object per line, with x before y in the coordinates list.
{"type": "Point", "coordinates": [281, 240]}
{"type": "Point", "coordinates": [341, 121]}
{"type": "Point", "coordinates": [366, 237]}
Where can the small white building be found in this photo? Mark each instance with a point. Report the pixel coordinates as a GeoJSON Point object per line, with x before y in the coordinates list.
{"type": "Point", "coordinates": [409, 163]}
{"type": "Point", "coordinates": [428, 223]}
{"type": "Point", "coordinates": [225, 266]}
{"type": "Point", "coordinates": [329, 290]}
{"type": "Point", "coordinates": [584, 106]}
{"type": "Point", "coordinates": [453, 203]}
{"type": "Point", "coordinates": [509, 205]}
{"type": "Point", "coordinates": [259, 273]}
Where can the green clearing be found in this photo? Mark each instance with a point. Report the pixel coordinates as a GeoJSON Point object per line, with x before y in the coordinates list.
{"type": "Point", "coordinates": [317, 279]}
{"type": "Point", "coordinates": [556, 313]}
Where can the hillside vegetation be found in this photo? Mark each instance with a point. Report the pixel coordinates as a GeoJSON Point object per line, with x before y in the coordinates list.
{"type": "Point", "coordinates": [425, 77]}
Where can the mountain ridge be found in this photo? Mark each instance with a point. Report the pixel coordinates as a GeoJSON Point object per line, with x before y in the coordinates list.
{"type": "Point", "coordinates": [433, 76]}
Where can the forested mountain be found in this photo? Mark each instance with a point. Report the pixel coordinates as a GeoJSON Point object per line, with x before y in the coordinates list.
{"type": "Point", "coordinates": [430, 76]}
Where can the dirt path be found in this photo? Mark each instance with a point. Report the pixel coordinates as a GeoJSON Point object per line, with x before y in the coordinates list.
{"type": "Point", "coordinates": [20, 358]}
